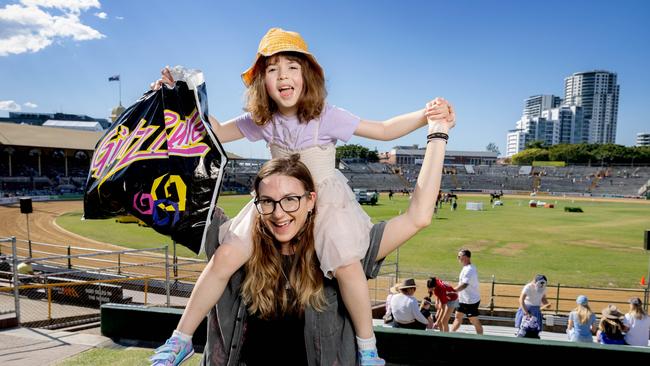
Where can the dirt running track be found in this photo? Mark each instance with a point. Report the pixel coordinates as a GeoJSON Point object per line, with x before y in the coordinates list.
{"type": "Point", "coordinates": [44, 229]}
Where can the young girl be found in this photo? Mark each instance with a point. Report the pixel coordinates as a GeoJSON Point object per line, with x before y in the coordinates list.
{"type": "Point", "coordinates": [638, 324]}
{"type": "Point", "coordinates": [286, 107]}
{"type": "Point", "coordinates": [611, 329]}
{"type": "Point", "coordinates": [581, 324]}
{"type": "Point", "coordinates": [446, 301]}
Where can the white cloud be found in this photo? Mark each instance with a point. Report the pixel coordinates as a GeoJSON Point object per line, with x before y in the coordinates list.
{"type": "Point", "coordinates": [119, 18]}
{"type": "Point", "coordinates": [9, 105]}
{"type": "Point", "coordinates": [101, 15]}
{"type": "Point", "coordinates": [30, 105]}
{"type": "Point", "coordinates": [72, 5]}
{"type": "Point", "coordinates": [32, 26]}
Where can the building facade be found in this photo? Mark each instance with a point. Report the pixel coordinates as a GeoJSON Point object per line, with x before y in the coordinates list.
{"type": "Point", "coordinates": [414, 155]}
{"type": "Point", "coordinates": [597, 93]}
{"type": "Point", "coordinates": [643, 139]}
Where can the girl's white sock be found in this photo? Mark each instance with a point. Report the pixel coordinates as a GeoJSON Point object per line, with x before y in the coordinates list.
{"type": "Point", "coordinates": [367, 343]}
{"type": "Point", "coordinates": [184, 337]}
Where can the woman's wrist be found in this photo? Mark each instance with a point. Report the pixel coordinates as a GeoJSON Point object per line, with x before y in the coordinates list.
{"type": "Point", "coordinates": [437, 136]}
{"type": "Point", "coordinates": [438, 127]}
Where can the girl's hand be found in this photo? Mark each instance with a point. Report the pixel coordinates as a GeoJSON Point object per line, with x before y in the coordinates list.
{"type": "Point", "coordinates": [440, 115]}
{"type": "Point", "coordinates": [165, 78]}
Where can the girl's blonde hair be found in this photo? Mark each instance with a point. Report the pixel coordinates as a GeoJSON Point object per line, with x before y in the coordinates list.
{"type": "Point", "coordinates": [584, 313]}
{"type": "Point", "coordinates": [311, 101]}
{"type": "Point", "coordinates": [263, 289]}
{"type": "Point", "coordinates": [609, 326]}
{"type": "Point", "coordinates": [636, 310]}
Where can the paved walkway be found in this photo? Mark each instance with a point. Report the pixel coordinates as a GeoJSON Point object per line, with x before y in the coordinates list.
{"type": "Point", "coordinates": [40, 347]}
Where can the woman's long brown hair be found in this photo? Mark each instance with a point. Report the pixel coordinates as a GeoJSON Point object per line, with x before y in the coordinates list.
{"type": "Point", "coordinates": [311, 102]}
{"type": "Point", "coordinates": [263, 288]}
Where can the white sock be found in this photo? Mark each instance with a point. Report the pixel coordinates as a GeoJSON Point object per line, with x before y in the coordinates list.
{"type": "Point", "coordinates": [184, 337]}
{"type": "Point", "coordinates": [367, 343]}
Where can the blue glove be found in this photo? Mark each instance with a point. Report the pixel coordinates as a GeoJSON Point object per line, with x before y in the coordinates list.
{"type": "Point", "coordinates": [176, 350]}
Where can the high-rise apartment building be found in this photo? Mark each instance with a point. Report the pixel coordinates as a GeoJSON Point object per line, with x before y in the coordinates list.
{"type": "Point", "coordinates": [643, 139]}
{"type": "Point", "coordinates": [533, 106]}
{"type": "Point", "coordinates": [597, 93]}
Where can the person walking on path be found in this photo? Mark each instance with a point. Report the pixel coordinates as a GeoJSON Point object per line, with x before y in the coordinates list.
{"type": "Point", "coordinates": [532, 300]}
{"type": "Point", "coordinates": [469, 296]}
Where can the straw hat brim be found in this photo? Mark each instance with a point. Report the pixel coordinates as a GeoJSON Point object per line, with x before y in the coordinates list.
{"type": "Point", "coordinates": [248, 75]}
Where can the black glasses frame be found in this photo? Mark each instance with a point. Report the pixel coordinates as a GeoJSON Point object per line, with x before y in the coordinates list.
{"type": "Point", "coordinates": [275, 203]}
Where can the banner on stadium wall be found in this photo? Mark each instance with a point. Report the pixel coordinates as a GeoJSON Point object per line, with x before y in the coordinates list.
{"type": "Point", "coordinates": [160, 162]}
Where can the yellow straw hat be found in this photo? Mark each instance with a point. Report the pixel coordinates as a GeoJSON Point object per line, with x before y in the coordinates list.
{"type": "Point", "coordinates": [278, 40]}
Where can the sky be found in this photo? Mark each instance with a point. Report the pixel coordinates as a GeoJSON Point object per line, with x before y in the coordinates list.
{"type": "Point", "coordinates": [381, 58]}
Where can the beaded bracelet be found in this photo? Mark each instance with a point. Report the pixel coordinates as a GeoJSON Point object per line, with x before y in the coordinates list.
{"type": "Point", "coordinates": [437, 135]}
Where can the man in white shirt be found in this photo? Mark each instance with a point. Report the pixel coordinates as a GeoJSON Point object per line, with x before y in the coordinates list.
{"type": "Point", "coordinates": [469, 295]}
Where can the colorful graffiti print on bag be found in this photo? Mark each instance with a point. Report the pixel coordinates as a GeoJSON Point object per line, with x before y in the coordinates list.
{"type": "Point", "coordinates": [160, 162]}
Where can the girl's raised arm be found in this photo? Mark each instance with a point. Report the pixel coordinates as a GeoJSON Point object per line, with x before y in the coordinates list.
{"type": "Point", "coordinates": [420, 210]}
{"type": "Point", "coordinates": [401, 125]}
{"type": "Point", "coordinates": [226, 132]}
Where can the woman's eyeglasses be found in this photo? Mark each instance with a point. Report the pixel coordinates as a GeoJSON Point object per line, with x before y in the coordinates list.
{"type": "Point", "coordinates": [266, 206]}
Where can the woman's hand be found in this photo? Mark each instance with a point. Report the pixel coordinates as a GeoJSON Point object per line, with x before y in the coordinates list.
{"type": "Point", "coordinates": [165, 78]}
{"type": "Point", "coordinates": [440, 115]}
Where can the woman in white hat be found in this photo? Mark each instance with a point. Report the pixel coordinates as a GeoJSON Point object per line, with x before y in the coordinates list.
{"type": "Point", "coordinates": [611, 328]}
{"type": "Point", "coordinates": [406, 312]}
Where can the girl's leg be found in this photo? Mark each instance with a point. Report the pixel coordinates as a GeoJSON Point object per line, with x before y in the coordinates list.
{"type": "Point", "coordinates": [457, 321]}
{"type": "Point", "coordinates": [356, 297]}
{"type": "Point", "coordinates": [444, 323]}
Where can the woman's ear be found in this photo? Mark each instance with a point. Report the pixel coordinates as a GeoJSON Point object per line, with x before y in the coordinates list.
{"type": "Point", "coordinates": [311, 201]}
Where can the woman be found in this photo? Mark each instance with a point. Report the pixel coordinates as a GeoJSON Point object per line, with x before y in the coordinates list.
{"type": "Point", "coordinates": [532, 300]}
{"type": "Point", "coordinates": [388, 314]}
{"type": "Point", "coordinates": [611, 328]}
{"type": "Point", "coordinates": [446, 301]}
{"type": "Point", "coordinates": [637, 323]}
{"type": "Point", "coordinates": [581, 325]}
{"type": "Point", "coordinates": [279, 287]}
{"type": "Point", "coordinates": [404, 306]}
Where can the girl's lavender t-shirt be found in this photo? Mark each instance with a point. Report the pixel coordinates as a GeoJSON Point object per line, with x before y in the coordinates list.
{"type": "Point", "coordinates": [335, 124]}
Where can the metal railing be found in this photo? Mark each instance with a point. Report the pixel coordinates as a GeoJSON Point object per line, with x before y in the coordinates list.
{"type": "Point", "coordinates": [152, 276]}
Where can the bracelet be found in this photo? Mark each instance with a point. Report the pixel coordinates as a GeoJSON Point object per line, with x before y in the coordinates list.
{"type": "Point", "coordinates": [437, 135]}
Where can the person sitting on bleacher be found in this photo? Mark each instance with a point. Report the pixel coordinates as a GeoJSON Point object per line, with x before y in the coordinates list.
{"type": "Point", "coordinates": [611, 328]}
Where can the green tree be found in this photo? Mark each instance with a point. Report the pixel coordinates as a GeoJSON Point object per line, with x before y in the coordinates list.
{"type": "Point", "coordinates": [537, 144]}
{"type": "Point", "coordinates": [493, 148]}
{"type": "Point", "coordinates": [356, 151]}
{"type": "Point", "coordinates": [527, 156]}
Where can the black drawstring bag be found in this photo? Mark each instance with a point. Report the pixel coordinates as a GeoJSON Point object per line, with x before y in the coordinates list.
{"type": "Point", "coordinates": [160, 162]}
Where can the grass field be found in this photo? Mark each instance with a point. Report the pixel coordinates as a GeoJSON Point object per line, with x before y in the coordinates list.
{"type": "Point", "coordinates": [118, 357]}
{"type": "Point", "coordinates": [601, 247]}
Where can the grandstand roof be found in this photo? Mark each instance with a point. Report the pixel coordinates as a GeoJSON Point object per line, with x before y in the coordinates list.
{"type": "Point", "coordinates": [77, 125]}
{"type": "Point", "coordinates": [37, 136]}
